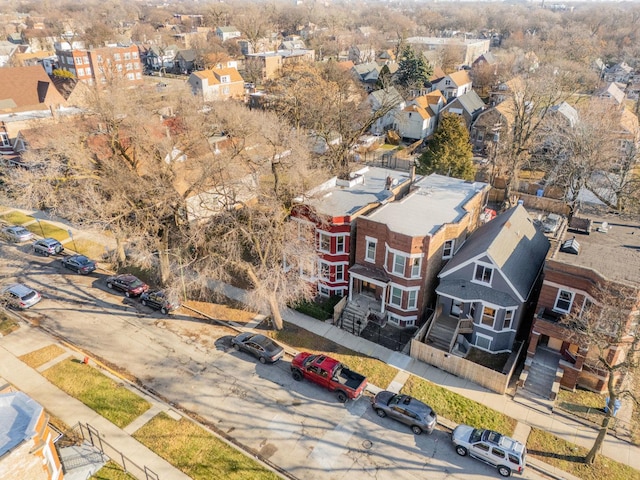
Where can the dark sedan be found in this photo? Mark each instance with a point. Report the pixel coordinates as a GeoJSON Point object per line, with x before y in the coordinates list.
{"type": "Point", "coordinates": [159, 301]}
{"type": "Point", "coordinates": [131, 285]}
{"type": "Point", "coordinates": [261, 347]}
{"type": "Point", "coordinates": [79, 263]}
{"type": "Point", "coordinates": [403, 408]}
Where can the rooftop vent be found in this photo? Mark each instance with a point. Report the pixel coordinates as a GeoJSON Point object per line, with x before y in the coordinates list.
{"type": "Point", "coordinates": [604, 227]}
{"type": "Point", "coordinates": [580, 225]}
{"type": "Point", "coordinates": [570, 246]}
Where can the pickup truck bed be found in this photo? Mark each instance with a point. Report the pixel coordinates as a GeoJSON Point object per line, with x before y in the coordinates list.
{"type": "Point", "coordinates": [350, 378]}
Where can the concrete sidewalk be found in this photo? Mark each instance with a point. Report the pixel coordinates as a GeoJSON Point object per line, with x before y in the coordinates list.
{"type": "Point", "coordinates": [559, 425]}
{"type": "Point", "coordinates": [67, 408]}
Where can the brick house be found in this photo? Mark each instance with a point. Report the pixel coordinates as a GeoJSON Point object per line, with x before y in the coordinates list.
{"type": "Point", "coordinates": [332, 210]}
{"type": "Point", "coordinates": [594, 249]}
{"type": "Point", "coordinates": [401, 246]}
{"type": "Point", "coordinates": [98, 65]}
{"type": "Point", "coordinates": [270, 63]}
{"type": "Point", "coordinates": [26, 440]}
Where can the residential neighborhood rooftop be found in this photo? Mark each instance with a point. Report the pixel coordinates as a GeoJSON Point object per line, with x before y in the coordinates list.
{"type": "Point", "coordinates": [436, 200]}
{"type": "Point", "coordinates": [367, 186]}
{"type": "Point", "coordinates": [612, 248]}
{"type": "Point", "coordinates": [18, 417]}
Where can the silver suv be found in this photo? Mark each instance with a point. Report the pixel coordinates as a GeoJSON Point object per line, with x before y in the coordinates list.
{"type": "Point", "coordinates": [403, 408]}
{"type": "Point", "coordinates": [504, 453]}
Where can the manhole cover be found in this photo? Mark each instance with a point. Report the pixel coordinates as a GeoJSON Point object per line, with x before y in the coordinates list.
{"type": "Point", "coordinates": [367, 444]}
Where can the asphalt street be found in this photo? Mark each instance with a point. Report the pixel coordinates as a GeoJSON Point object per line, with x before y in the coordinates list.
{"type": "Point", "coordinates": [295, 425]}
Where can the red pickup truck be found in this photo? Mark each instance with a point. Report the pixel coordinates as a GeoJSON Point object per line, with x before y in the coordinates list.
{"type": "Point", "coordinates": [330, 374]}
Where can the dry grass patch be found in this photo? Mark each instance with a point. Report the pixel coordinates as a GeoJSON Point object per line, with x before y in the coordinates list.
{"type": "Point", "coordinates": [43, 355]}
{"type": "Point", "coordinates": [568, 457]}
{"type": "Point", "coordinates": [378, 373]}
{"type": "Point", "coordinates": [97, 391]}
{"type": "Point", "coordinates": [222, 312]}
{"type": "Point", "coordinates": [197, 452]}
{"type": "Point", "coordinates": [17, 218]}
{"type": "Point", "coordinates": [457, 408]}
{"type": "Point", "coordinates": [7, 324]}
{"type": "Point", "coordinates": [87, 248]}
{"type": "Point", "coordinates": [111, 471]}
{"type": "Point", "coordinates": [48, 230]}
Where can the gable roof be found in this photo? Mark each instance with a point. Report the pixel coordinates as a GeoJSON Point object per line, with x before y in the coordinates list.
{"type": "Point", "coordinates": [470, 101]}
{"type": "Point", "coordinates": [437, 74]}
{"type": "Point", "coordinates": [214, 75]}
{"type": "Point", "coordinates": [570, 113]}
{"type": "Point", "coordinates": [388, 96]}
{"type": "Point", "coordinates": [459, 78]}
{"type": "Point", "coordinates": [513, 244]}
{"type": "Point", "coordinates": [27, 88]}
{"type": "Point", "coordinates": [611, 91]}
{"type": "Point", "coordinates": [488, 57]}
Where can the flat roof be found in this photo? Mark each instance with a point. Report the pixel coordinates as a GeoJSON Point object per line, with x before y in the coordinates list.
{"type": "Point", "coordinates": [342, 198]}
{"type": "Point", "coordinates": [436, 200]}
{"type": "Point", "coordinates": [19, 414]}
{"type": "Point", "coordinates": [614, 253]}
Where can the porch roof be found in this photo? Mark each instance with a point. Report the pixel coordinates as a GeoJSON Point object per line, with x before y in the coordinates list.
{"type": "Point", "coordinates": [377, 275]}
{"type": "Point", "coordinates": [467, 291]}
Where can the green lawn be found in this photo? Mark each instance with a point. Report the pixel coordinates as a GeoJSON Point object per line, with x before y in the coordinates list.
{"type": "Point", "coordinates": [46, 229]}
{"type": "Point", "coordinates": [111, 471]}
{"type": "Point", "coordinates": [114, 402]}
{"type": "Point", "coordinates": [197, 452]}
{"type": "Point", "coordinates": [457, 408]}
{"type": "Point", "coordinates": [377, 372]}
{"type": "Point", "coordinates": [568, 457]}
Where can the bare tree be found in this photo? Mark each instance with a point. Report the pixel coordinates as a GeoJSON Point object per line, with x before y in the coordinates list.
{"type": "Point", "coordinates": [608, 329]}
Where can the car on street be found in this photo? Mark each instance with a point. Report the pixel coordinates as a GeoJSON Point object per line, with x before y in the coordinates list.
{"type": "Point", "coordinates": [129, 284]}
{"type": "Point", "coordinates": [18, 295]}
{"type": "Point", "coordinates": [158, 300]}
{"type": "Point", "coordinates": [47, 246]}
{"type": "Point", "coordinates": [16, 234]}
{"type": "Point", "coordinates": [405, 409]}
{"type": "Point", "coordinates": [79, 263]}
{"type": "Point", "coordinates": [261, 347]}
{"type": "Point", "coordinates": [493, 448]}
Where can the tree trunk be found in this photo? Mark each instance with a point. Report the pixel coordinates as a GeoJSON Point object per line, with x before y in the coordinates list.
{"type": "Point", "coordinates": [278, 324]}
{"type": "Point", "coordinates": [602, 433]}
{"type": "Point", "coordinates": [163, 255]}
{"type": "Point", "coordinates": [121, 255]}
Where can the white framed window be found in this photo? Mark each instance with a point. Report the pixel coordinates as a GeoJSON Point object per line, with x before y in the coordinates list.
{"type": "Point", "coordinates": [225, 90]}
{"type": "Point", "coordinates": [138, 75]}
{"type": "Point", "coordinates": [483, 274]}
{"type": "Point", "coordinates": [339, 273]}
{"type": "Point", "coordinates": [87, 70]}
{"type": "Point", "coordinates": [456, 308]}
{"type": "Point", "coordinates": [119, 67]}
{"type": "Point", "coordinates": [399, 262]}
{"type": "Point", "coordinates": [129, 66]}
{"type": "Point", "coordinates": [340, 244]}
{"type": "Point", "coordinates": [78, 60]}
{"type": "Point", "coordinates": [324, 242]}
{"type": "Point", "coordinates": [131, 76]}
{"type": "Point", "coordinates": [395, 298]}
{"type": "Point", "coordinates": [415, 266]}
{"type": "Point", "coordinates": [447, 249]}
{"type": "Point", "coordinates": [508, 319]}
{"type": "Point", "coordinates": [99, 57]}
{"type": "Point", "coordinates": [564, 300]}
{"type": "Point", "coordinates": [401, 322]}
{"type": "Point", "coordinates": [483, 341]}
{"type": "Point", "coordinates": [116, 57]}
{"type": "Point", "coordinates": [4, 139]}
{"type": "Point", "coordinates": [412, 299]}
{"type": "Point", "coordinates": [488, 316]}
{"type": "Point", "coordinates": [324, 269]}
{"type": "Point", "coordinates": [127, 55]}
{"type": "Point", "coordinates": [472, 311]}
{"type": "Point", "coordinates": [370, 253]}
{"type": "Point", "coordinates": [225, 79]}
{"type": "Point", "coordinates": [323, 290]}
{"type": "Point", "coordinates": [134, 54]}
{"type": "Point", "coordinates": [81, 72]}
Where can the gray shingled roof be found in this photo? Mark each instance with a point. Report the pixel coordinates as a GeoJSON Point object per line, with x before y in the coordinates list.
{"type": "Point", "coordinates": [514, 245]}
{"type": "Point", "coordinates": [467, 292]}
{"type": "Point", "coordinates": [471, 102]}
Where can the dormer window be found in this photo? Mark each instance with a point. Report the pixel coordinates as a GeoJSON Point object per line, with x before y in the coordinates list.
{"type": "Point", "coordinates": [225, 79]}
{"type": "Point", "coordinates": [483, 274]}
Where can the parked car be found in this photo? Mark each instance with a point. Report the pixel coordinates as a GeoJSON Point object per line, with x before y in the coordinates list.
{"type": "Point", "coordinates": [48, 246]}
{"type": "Point", "coordinates": [131, 285]}
{"type": "Point", "coordinates": [79, 263]}
{"type": "Point", "coordinates": [504, 453]}
{"type": "Point", "coordinates": [158, 301]}
{"type": "Point", "coordinates": [261, 347]}
{"type": "Point", "coordinates": [403, 408]}
{"type": "Point", "coordinates": [329, 373]}
{"type": "Point", "coordinates": [19, 296]}
{"type": "Point", "coordinates": [16, 234]}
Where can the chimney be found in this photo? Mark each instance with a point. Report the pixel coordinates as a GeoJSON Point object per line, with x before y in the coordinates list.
{"type": "Point", "coordinates": [388, 183]}
{"type": "Point", "coordinates": [412, 174]}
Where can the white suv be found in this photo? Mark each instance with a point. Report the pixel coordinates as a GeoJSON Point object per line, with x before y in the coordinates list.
{"type": "Point", "coordinates": [493, 448]}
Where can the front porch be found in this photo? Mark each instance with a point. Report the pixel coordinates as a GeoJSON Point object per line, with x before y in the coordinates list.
{"type": "Point", "coordinates": [444, 330]}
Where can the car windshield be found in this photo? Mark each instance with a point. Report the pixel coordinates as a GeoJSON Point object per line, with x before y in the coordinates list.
{"type": "Point", "coordinates": [82, 260]}
{"type": "Point", "coordinates": [29, 295]}
{"type": "Point", "coordinates": [476, 435]}
{"type": "Point", "coordinates": [135, 283]}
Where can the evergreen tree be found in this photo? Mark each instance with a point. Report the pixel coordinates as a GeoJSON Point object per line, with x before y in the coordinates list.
{"type": "Point", "coordinates": [449, 150]}
{"type": "Point", "coordinates": [413, 70]}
